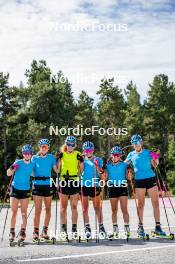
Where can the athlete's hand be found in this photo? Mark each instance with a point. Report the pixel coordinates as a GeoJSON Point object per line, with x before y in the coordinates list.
{"type": "Point", "coordinates": [96, 163]}
{"type": "Point", "coordinates": [59, 155]}
{"type": "Point", "coordinates": [15, 167]}
{"type": "Point", "coordinates": [129, 173]}
{"type": "Point", "coordinates": [154, 155]}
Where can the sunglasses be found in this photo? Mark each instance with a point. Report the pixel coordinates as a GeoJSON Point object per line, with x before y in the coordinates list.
{"type": "Point", "coordinates": [70, 145]}
{"type": "Point", "coordinates": [27, 153]}
{"type": "Point", "coordinates": [87, 151]}
{"type": "Point", "coordinates": [116, 155]}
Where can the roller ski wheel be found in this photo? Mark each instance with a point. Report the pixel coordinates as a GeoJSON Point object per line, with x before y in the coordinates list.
{"type": "Point", "coordinates": [127, 237]}
{"type": "Point", "coordinates": [172, 236]}
{"type": "Point", "coordinates": [53, 240]}
{"type": "Point", "coordinates": [75, 237]}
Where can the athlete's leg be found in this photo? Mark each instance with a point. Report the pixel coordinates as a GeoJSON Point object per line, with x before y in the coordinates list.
{"type": "Point", "coordinates": [140, 194]}
{"type": "Point", "coordinates": [38, 207]}
{"type": "Point", "coordinates": [74, 202]}
{"type": "Point", "coordinates": [98, 209]}
{"type": "Point", "coordinates": [154, 195]}
{"type": "Point", "coordinates": [114, 208]}
{"type": "Point", "coordinates": [85, 206]}
{"type": "Point", "coordinates": [63, 206]}
{"type": "Point", "coordinates": [14, 209]}
{"type": "Point", "coordinates": [124, 208]}
{"type": "Point", "coordinates": [24, 205]}
{"type": "Point", "coordinates": [47, 203]}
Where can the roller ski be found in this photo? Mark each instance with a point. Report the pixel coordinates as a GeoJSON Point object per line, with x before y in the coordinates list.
{"type": "Point", "coordinates": [127, 232]}
{"type": "Point", "coordinates": [36, 239]}
{"type": "Point", "coordinates": [22, 237]}
{"type": "Point", "coordinates": [64, 235]}
{"type": "Point", "coordinates": [159, 233]}
{"type": "Point", "coordinates": [12, 237]}
{"type": "Point", "coordinates": [44, 237]}
{"type": "Point", "coordinates": [141, 233]}
{"type": "Point", "coordinates": [115, 234]}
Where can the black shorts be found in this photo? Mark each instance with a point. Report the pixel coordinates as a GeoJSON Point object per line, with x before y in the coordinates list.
{"type": "Point", "coordinates": [42, 190]}
{"type": "Point", "coordinates": [116, 192]}
{"type": "Point", "coordinates": [19, 194]}
{"type": "Point", "coordinates": [91, 191]}
{"type": "Point", "coordinates": [69, 187]}
{"type": "Point", "coordinates": [146, 183]}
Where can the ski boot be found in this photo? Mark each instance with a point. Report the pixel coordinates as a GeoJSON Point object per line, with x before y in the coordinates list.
{"type": "Point", "coordinates": [75, 233]}
{"type": "Point", "coordinates": [44, 237]}
{"type": "Point", "coordinates": [36, 239]}
{"type": "Point", "coordinates": [87, 231]}
{"type": "Point", "coordinates": [63, 233]}
{"type": "Point", "coordinates": [102, 232]}
{"type": "Point", "coordinates": [160, 233]}
{"type": "Point", "coordinates": [127, 231]}
{"type": "Point", "coordinates": [22, 237]}
{"type": "Point", "coordinates": [115, 233]}
{"type": "Point", "coordinates": [12, 237]}
{"type": "Point", "coordinates": [141, 233]}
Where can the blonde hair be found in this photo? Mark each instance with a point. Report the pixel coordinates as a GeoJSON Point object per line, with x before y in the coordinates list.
{"type": "Point", "coordinates": [63, 148]}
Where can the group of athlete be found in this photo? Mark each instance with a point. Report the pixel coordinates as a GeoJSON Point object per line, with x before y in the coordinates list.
{"type": "Point", "coordinates": [80, 176]}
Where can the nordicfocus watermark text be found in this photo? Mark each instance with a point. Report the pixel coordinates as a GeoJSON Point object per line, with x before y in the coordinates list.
{"type": "Point", "coordinates": [79, 130]}
{"type": "Point", "coordinates": [80, 233]}
{"type": "Point", "coordinates": [88, 27]}
{"type": "Point", "coordinates": [88, 183]}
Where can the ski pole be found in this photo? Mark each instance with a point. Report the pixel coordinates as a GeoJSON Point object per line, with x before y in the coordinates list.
{"type": "Point", "coordinates": [95, 204]}
{"type": "Point", "coordinates": [6, 193]}
{"type": "Point", "coordinates": [165, 188]}
{"type": "Point", "coordinates": [163, 202]}
{"type": "Point", "coordinates": [56, 208]}
{"type": "Point", "coordinates": [5, 223]}
{"type": "Point", "coordinates": [134, 195]}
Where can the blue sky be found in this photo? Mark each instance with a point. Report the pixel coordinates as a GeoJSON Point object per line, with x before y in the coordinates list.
{"type": "Point", "coordinates": [29, 30]}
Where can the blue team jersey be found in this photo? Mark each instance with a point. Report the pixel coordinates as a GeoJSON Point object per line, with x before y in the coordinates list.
{"type": "Point", "coordinates": [141, 162]}
{"type": "Point", "coordinates": [90, 175]}
{"type": "Point", "coordinates": [43, 168]}
{"type": "Point", "coordinates": [21, 180]}
{"type": "Point", "coordinates": [116, 173]}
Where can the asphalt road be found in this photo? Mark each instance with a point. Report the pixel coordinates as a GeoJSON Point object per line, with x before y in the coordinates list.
{"type": "Point", "coordinates": [134, 251]}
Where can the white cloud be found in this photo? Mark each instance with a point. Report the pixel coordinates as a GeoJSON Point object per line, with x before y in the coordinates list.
{"type": "Point", "coordinates": [146, 49]}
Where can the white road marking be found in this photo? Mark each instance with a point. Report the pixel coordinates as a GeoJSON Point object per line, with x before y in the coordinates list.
{"type": "Point", "coordinates": [96, 254]}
